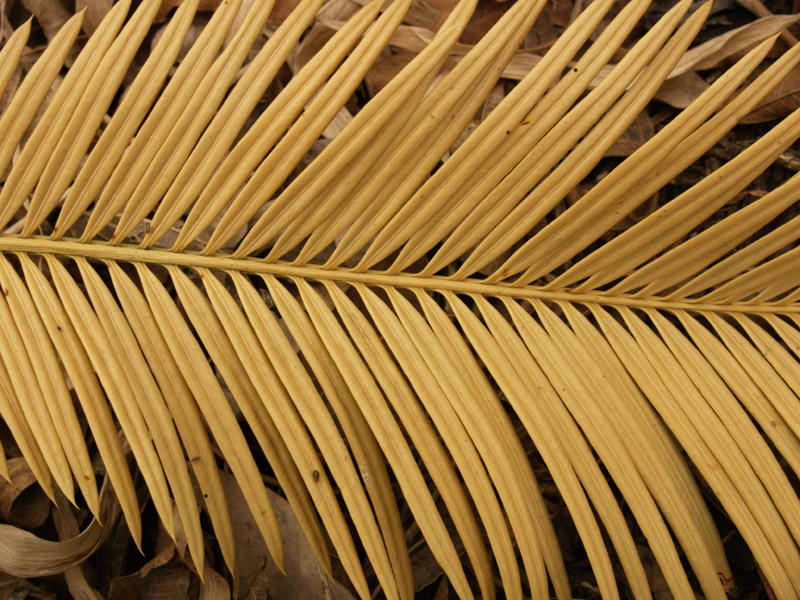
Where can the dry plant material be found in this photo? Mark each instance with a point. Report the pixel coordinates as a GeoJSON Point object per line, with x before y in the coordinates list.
{"type": "Point", "coordinates": [779, 102]}
{"type": "Point", "coordinates": [422, 337]}
{"type": "Point", "coordinates": [96, 10]}
{"type": "Point", "coordinates": [18, 508]}
{"type": "Point", "coordinates": [682, 90]}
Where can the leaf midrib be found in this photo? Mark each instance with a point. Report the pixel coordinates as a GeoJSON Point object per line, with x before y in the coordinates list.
{"type": "Point", "coordinates": [101, 251]}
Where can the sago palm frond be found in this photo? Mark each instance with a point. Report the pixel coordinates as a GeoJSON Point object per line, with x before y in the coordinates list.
{"type": "Point", "coordinates": [380, 317]}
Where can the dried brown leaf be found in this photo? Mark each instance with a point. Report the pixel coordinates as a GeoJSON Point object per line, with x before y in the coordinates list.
{"type": "Point", "coordinates": [303, 577]}
{"type": "Point", "coordinates": [214, 586]}
{"type": "Point", "coordinates": [719, 49]}
{"type": "Point", "coordinates": [658, 585]}
{"type": "Point", "coordinates": [383, 71]}
{"type": "Point", "coordinates": [308, 47]}
{"type": "Point", "coordinates": [758, 9]}
{"type": "Point", "coordinates": [18, 589]}
{"type": "Point", "coordinates": [164, 551]}
{"type": "Point", "coordinates": [10, 89]}
{"type": "Point", "coordinates": [779, 102]}
{"type": "Point", "coordinates": [705, 56]}
{"type": "Point", "coordinates": [713, 52]}
{"type": "Point", "coordinates": [444, 4]}
{"type": "Point", "coordinates": [96, 11]}
{"type": "Point", "coordinates": [330, 18]}
{"type": "Point", "coordinates": [165, 583]}
{"type": "Point", "coordinates": [67, 526]}
{"type": "Point", "coordinates": [486, 14]}
{"type": "Point", "coordinates": [281, 10]}
{"type": "Point", "coordinates": [560, 11]}
{"type": "Point", "coordinates": [199, 23]}
{"type": "Point", "coordinates": [422, 14]}
{"type": "Point", "coordinates": [543, 33]}
{"type": "Point", "coordinates": [34, 506]}
{"type": "Point", "coordinates": [6, 31]}
{"type": "Point", "coordinates": [634, 137]}
{"type": "Point", "coordinates": [682, 90]}
{"type": "Point", "coordinates": [51, 15]}
{"type": "Point", "coordinates": [168, 5]}
{"type": "Point", "coordinates": [25, 555]}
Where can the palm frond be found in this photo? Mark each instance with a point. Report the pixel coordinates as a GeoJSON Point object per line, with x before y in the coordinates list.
{"type": "Point", "coordinates": [382, 318]}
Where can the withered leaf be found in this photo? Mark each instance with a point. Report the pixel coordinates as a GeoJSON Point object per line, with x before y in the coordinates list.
{"type": "Point", "coordinates": [779, 102]}
{"type": "Point", "coordinates": [634, 137]}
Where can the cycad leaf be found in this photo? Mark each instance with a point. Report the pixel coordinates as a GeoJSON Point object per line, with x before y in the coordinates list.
{"type": "Point", "coordinates": [678, 337]}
